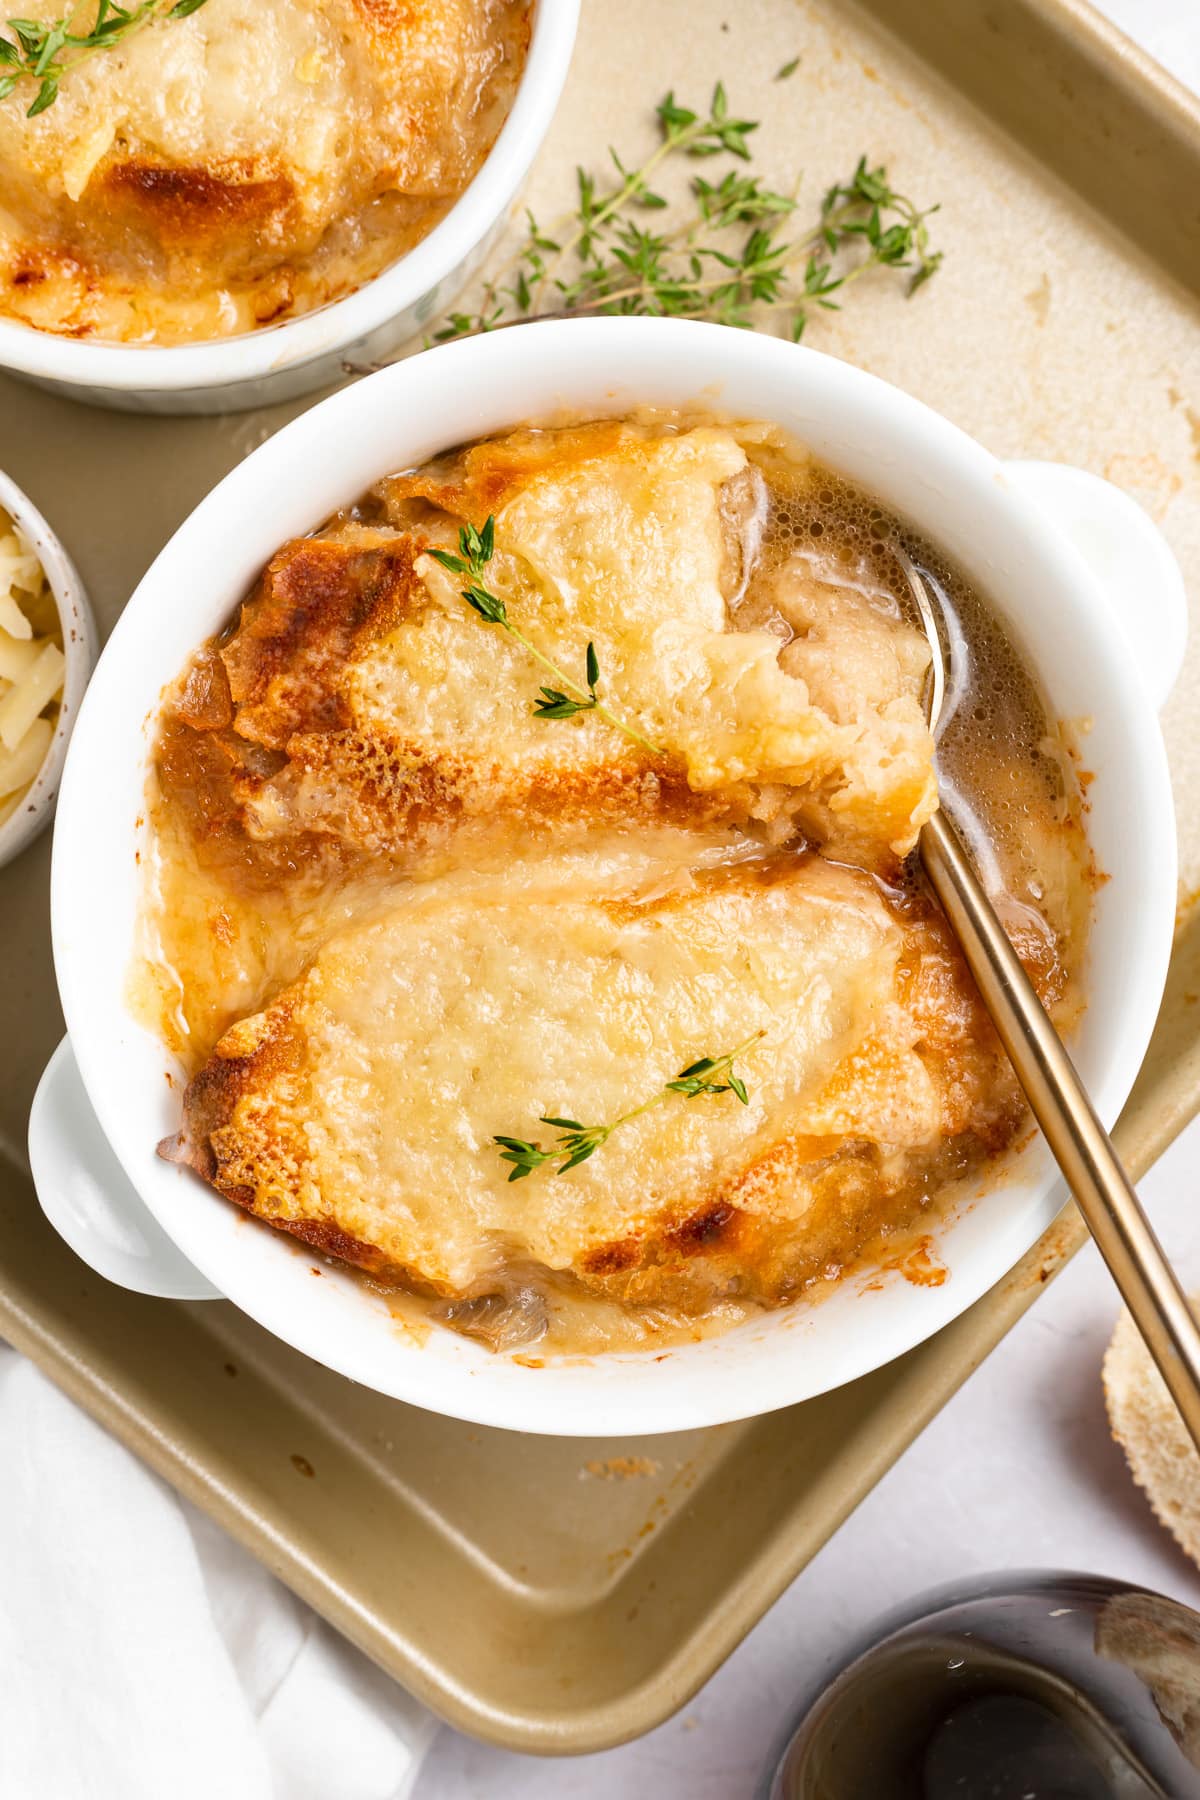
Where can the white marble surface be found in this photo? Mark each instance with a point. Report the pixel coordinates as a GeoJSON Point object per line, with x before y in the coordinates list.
{"type": "Point", "coordinates": [1169, 29]}
{"type": "Point", "coordinates": [1019, 1470]}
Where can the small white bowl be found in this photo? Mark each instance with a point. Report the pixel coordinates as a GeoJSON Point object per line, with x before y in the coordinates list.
{"type": "Point", "coordinates": [300, 355]}
{"type": "Point", "coordinates": [36, 806]}
{"type": "Point", "coordinates": [1090, 591]}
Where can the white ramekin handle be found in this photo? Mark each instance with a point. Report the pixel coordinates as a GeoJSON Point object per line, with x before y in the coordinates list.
{"type": "Point", "coordinates": [88, 1198]}
{"type": "Point", "coordinates": [1124, 548]}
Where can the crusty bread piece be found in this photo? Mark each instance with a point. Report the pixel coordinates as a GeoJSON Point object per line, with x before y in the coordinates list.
{"type": "Point", "coordinates": [1160, 1454]}
{"type": "Point", "coordinates": [359, 1111]}
{"type": "Point", "coordinates": [627, 537]}
{"type": "Point", "coordinates": [361, 706]}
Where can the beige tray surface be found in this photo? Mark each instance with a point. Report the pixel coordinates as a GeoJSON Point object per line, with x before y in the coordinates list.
{"type": "Point", "coordinates": [547, 1594]}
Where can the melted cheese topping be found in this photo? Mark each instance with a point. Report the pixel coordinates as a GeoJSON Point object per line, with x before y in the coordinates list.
{"type": "Point", "coordinates": [606, 535]}
{"type": "Point", "coordinates": [393, 914]}
{"type": "Point", "coordinates": [248, 162]}
{"type": "Point", "coordinates": [621, 535]}
{"type": "Point", "coordinates": [372, 1090]}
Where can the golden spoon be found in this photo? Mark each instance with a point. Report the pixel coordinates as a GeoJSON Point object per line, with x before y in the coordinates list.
{"type": "Point", "coordinates": [1057, 1097]}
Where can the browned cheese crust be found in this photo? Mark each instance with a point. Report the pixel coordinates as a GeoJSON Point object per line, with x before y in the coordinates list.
{"type": "Point", "coordinates": [249, 162]}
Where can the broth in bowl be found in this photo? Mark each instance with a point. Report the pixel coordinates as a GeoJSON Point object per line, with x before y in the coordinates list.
{"type": "Point", "coordinates": [531, 893]}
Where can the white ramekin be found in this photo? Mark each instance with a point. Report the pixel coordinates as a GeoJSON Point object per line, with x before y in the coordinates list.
{"type": "Point", "coordinates": [1090, 590]}
{"type": "Point", "coordinates": [36, 807]}
{"type": "Point", "coordinates": [308, 352]}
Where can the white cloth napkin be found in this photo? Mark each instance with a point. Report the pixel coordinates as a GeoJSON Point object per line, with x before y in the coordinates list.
{"type": "Point", "coordinates": [144, 1654]}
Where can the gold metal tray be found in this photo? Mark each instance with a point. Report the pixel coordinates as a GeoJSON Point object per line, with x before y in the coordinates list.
{"type": "Point", "coordinates": [564, 1596]}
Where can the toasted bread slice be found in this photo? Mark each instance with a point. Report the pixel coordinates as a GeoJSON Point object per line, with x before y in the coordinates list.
{"type": "Point", "coordinates": [1161, 1456]}
{"type": "Point", "coordinates": [360, 1110]}
{"type": "Point", "coordinates": [361, 704]}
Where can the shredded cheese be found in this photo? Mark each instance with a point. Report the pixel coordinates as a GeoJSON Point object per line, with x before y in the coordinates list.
{"type": "Point", "coordinates": [32, 667]}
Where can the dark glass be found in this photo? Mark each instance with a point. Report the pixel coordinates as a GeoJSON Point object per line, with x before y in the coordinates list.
{"type": "Point", "coordinates": [1028, 1686]}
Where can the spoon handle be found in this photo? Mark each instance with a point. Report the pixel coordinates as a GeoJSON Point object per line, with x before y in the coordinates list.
{"type": "Point", "coordinates": [1060, 1104]}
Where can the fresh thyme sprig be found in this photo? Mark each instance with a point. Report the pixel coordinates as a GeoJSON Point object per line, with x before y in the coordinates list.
{"type": "Point", "coordinates": [556, 705]}
{"type": "Point", "coordinates": [35, 52]}
{"type": "Point", "coordinates": [608, 261]}
{"type": "Point", "coordinates": [576, 1142]}
{"type": "Point", "coordinates": [476, 548]}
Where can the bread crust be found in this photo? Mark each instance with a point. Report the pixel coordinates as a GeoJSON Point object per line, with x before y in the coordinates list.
{"type": "Point", "coordinates": [1143, 1419]}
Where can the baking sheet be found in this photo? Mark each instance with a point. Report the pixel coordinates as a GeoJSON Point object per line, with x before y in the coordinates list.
{"type": "Point", "coordinates": [562, 1596]}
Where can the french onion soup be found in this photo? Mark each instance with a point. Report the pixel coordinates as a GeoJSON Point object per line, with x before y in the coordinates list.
{"type": "Point", "coordinates": [531, 892]}
{"type": "Point", "coordinates": [211, 173]}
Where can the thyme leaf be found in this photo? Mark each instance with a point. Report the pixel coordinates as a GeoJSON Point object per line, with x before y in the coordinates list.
{"type": "Point", "coordinates": [42, 52]}
{"type": "Point", "coordinates": [476, 547]}
{"type": "Point", "coordinates": [576, 1141]}
{"type": "Point", "coordinates": [612, 256]}
{"type": "Point", "coordinates": [556, 705]}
